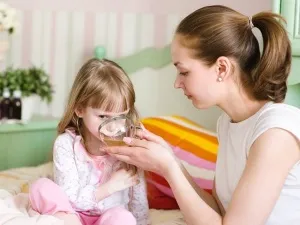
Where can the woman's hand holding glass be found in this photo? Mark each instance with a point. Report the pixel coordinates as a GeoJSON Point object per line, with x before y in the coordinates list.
{"type": "Point", "coordinates": [148, 152]}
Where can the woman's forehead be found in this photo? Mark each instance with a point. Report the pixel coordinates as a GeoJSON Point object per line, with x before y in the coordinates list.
{"type": "Point", "coordinates": [180, 54]}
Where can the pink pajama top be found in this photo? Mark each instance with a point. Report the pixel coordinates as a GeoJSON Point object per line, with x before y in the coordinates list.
{"type": "Point", "coordinates": [78, 174]}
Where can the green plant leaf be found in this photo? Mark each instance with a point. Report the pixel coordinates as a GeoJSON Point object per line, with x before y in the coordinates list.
{"type": "Point", "coordinates": [30, 81]}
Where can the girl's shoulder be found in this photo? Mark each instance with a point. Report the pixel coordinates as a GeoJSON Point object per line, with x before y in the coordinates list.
{"type": "Point", "coordinates": [65, 139]}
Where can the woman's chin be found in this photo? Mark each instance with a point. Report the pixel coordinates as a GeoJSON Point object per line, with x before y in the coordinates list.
{"type": "Point", "coordinates": [200, 105]}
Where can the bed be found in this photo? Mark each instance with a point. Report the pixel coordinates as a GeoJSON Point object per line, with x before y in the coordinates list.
{"type": "Point", "coordinates": [15, 180]}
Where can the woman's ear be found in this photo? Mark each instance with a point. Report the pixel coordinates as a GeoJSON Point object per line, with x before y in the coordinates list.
{"type": "Point", "coordinates": [223, 68]}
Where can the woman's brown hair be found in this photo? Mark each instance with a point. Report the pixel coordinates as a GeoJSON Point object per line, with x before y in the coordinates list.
{"type": "Point", "coordinates": [214, 31]}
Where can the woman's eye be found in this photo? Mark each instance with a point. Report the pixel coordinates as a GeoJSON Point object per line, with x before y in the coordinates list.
{"type": "Point", "coordinates": [183, 73]}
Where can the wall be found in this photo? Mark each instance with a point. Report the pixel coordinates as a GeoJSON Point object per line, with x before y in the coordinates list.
{"type": "Point", "coordinates": [60, 35]}
{"type": "Point", "coordinates": [140, 6]}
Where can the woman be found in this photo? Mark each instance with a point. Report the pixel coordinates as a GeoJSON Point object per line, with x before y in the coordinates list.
{"type": "Point", "coordinates": [257, 178]}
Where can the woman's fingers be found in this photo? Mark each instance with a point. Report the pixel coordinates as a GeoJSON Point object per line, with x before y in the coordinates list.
{"type": "Point", "coordinates": [140, 134]}
{"type": "Point", "coordinates": [136, 142]}
{"type": "Point", "coordinates": [123, 158]}
{"type": "Point", "coordinates": [126, 150]}
{"type": "Point", "coordinates": [149, 136]}
{"type": "Point", "coordinates": [119, 150]}
{"type": "Point", "coordinates": [142, 126]}
{"type": "Point", "coordinates": [155, 138]}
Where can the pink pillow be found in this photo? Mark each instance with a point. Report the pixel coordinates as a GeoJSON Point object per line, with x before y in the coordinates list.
{"type": "Point", "coordinates": [194, 145]}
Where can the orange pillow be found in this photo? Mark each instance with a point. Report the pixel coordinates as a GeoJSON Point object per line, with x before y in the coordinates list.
{"type": "Point", "coordinates": [194, 145]}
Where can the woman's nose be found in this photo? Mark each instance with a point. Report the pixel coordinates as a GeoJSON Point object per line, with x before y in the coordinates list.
{"type": "Point", "coordinates": [178, 83]}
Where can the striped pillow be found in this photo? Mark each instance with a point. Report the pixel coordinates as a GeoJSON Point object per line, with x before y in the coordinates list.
{"type": "Point", "coordinates": [195, 146]}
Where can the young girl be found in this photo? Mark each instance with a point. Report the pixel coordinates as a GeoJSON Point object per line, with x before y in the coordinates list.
{"type": "Point", "coordinates": [91, 187]}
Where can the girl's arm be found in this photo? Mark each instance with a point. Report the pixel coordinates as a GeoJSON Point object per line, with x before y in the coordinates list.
{"type": "Point", "coordinates": [67, 177]}
{"type": "Point", "coordinates": [138, 204]}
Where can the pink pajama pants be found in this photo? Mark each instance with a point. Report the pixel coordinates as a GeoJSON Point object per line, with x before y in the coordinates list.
{"type": "Point", "coordinates": [46, 197]}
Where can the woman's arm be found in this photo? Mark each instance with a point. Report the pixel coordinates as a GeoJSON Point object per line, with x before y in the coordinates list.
{"type": "Point", "coordinates": [216, 197]}
{"type": "Point", "coordinates": [194, 209]}
{"type": "Point", "coordinates": [208, 198]}
{"type": "Point", "coordinates": [271, 157]}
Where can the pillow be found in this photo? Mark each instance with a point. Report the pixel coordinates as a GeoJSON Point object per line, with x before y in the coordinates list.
{"type": "Point", "coordinates": [158, 200]}
{"type": "Point", "coordinates": [194, 145]}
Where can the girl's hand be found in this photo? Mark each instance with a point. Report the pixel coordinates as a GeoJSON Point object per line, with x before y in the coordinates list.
{"type": "Point", "coordinates": [120, 180]}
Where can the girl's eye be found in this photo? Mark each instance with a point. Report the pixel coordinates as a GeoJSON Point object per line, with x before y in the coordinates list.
{"type": "Point", "coordinates": [102, 116]}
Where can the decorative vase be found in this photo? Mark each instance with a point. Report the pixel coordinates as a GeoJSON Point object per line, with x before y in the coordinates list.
{"type": "Point", "coordinates": [4, 45]}
{"type": "Point", "coordinates": [28, 106]}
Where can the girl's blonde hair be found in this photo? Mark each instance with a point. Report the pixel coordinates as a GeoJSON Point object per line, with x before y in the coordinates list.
{"type": "Point", "coordinates": [99, 84]}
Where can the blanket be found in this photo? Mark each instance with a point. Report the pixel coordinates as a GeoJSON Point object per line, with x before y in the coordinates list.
{"type": "Point", "coordinates": [14, 210]}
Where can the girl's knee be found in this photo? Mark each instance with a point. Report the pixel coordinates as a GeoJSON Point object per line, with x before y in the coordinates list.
{"type": "Point", "coordinates": [117, 216]}
{"type": "Point", "coordinates": [68, 218]}
{"type": "Point", "coordinates": [127, 217]}
{"type": "Point", "coordinates": [36, 193]}
{"type": "Point", "coordinates": [42, 184]}
{"type": "Point", "coordinates": [46, 197]}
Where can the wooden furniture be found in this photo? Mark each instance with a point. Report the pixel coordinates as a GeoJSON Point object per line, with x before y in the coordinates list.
{"type": "Point", "coordinates": [27, 144]}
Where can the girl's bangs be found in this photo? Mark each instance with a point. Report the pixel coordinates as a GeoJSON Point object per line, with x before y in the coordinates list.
{"type": "Point", "coordinates": [112, 101]}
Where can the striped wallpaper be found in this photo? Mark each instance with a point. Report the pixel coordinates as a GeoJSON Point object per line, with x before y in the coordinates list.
{"type": "Point", "coordinates": [139, 6]}
{"type": "Point", "coordinates": [61, 34]}
{"type": "Point", "coordinates": [60, 41]}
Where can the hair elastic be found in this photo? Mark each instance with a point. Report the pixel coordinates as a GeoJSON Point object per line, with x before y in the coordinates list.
{"type": "Point", "coordinates": [250, 22]}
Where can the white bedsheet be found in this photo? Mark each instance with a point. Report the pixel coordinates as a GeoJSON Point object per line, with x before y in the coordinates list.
{"type": "Point", "coordinates": [14, 200]}
{"type": "Point", "coordinates": [14, 210]}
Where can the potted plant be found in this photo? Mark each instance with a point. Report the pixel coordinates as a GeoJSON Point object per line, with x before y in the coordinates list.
{"type": "Point", "coordinates": [33, 82]}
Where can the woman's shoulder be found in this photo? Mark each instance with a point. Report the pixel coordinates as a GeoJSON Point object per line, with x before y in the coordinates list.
{"type": "Point", "coordinates": [280, 109]}
{"type": "Point", "coordinates": [223, 119]}
{"type": "Point", "coordinates": [278, 115]}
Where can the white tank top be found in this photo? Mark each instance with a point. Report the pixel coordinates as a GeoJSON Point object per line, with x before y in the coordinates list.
{"type": "Point", "coordinates": [235, 140]}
